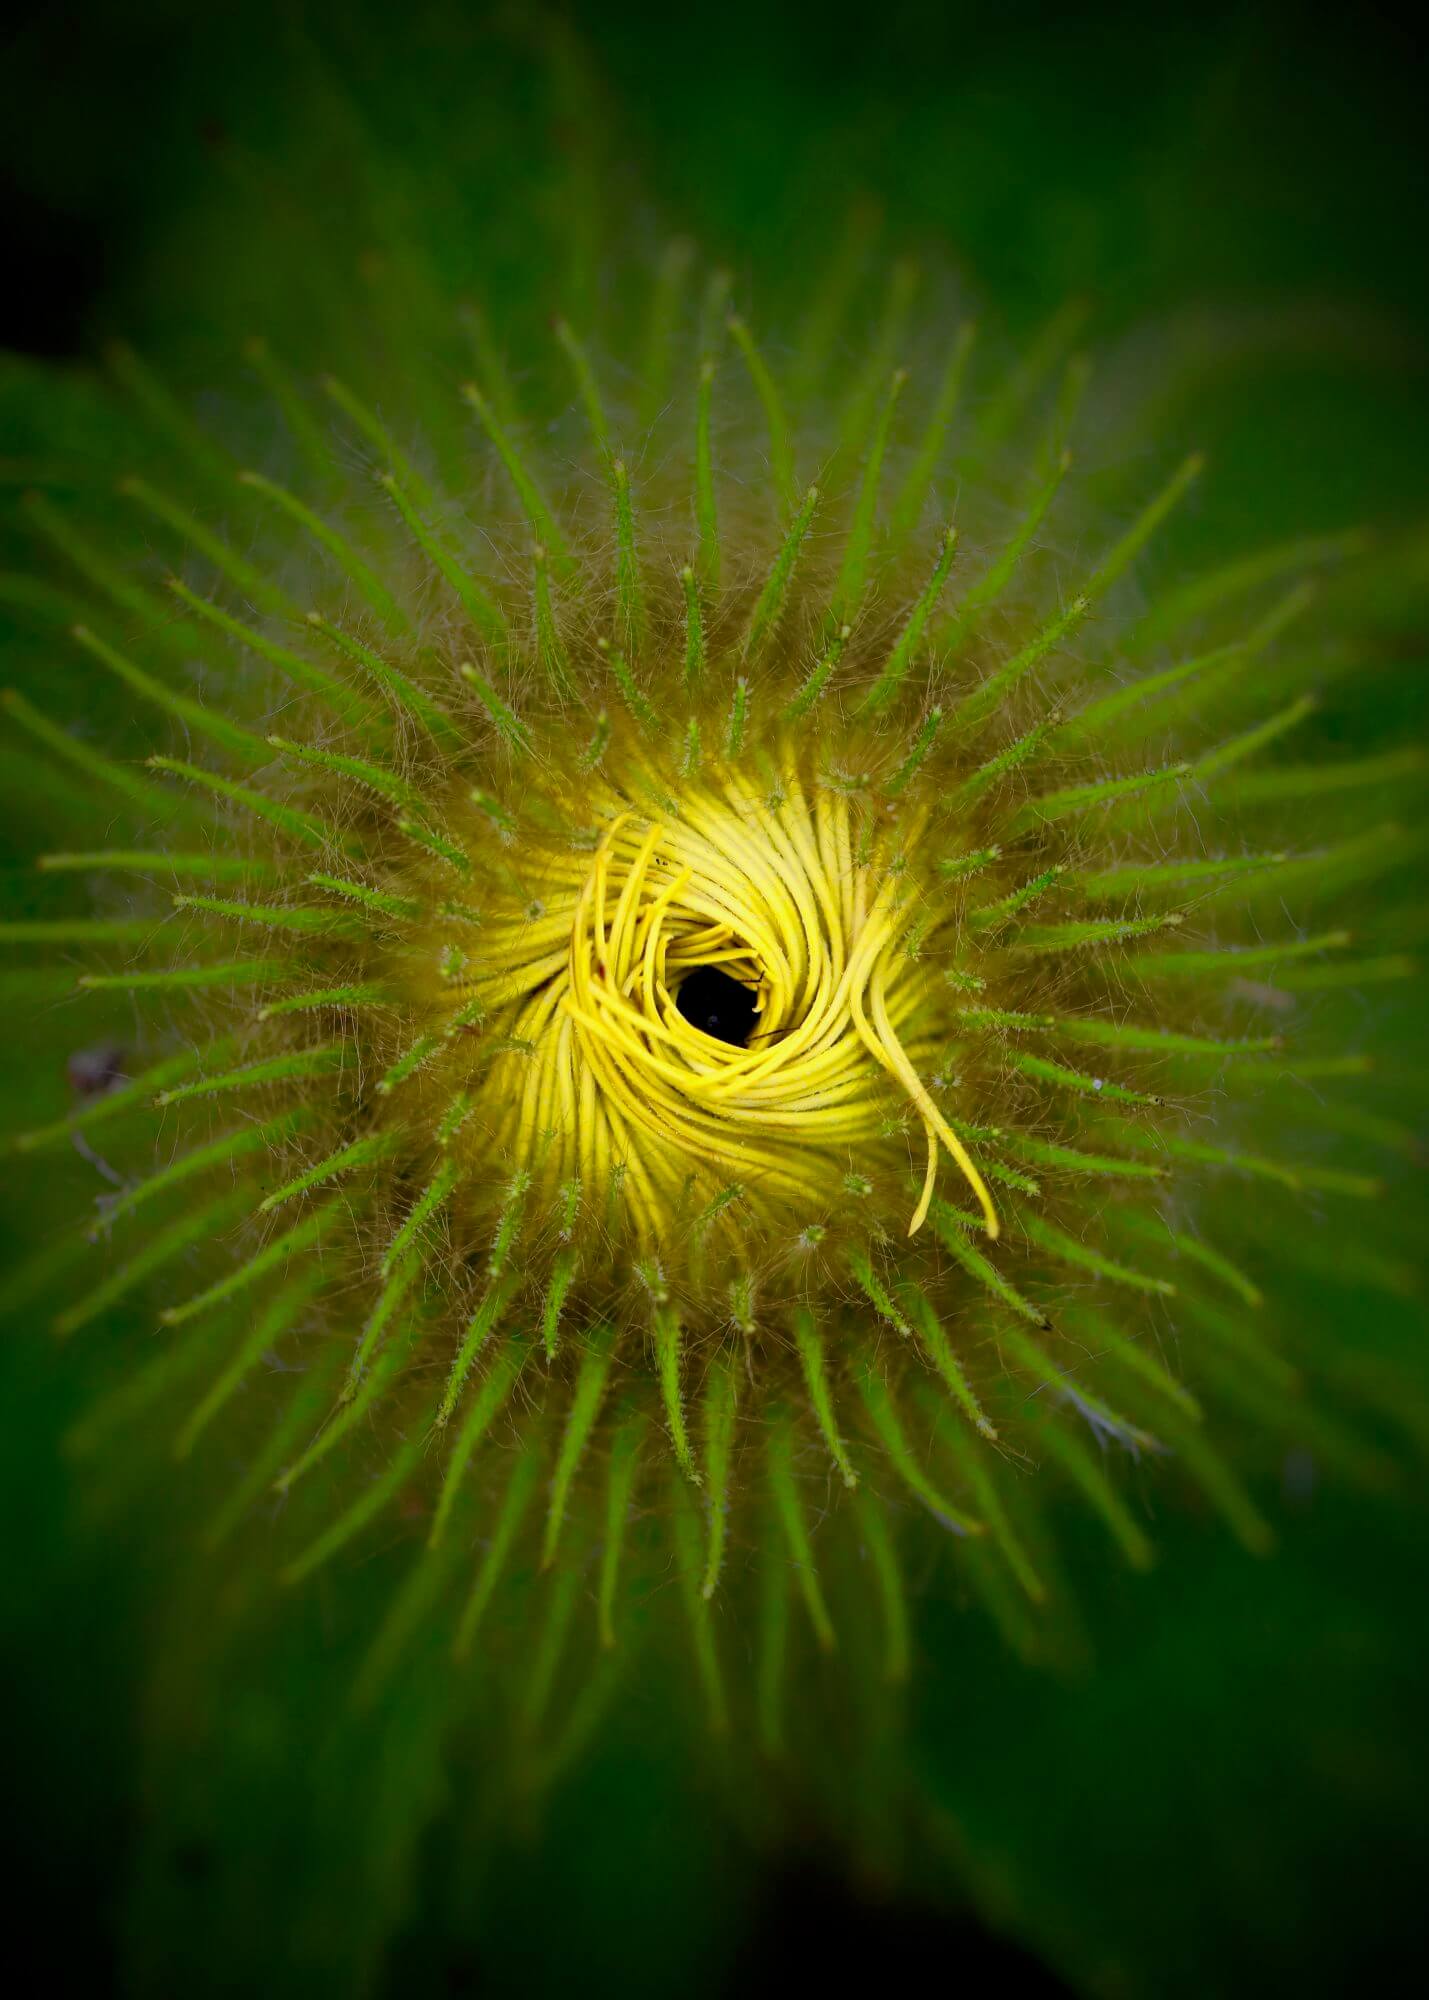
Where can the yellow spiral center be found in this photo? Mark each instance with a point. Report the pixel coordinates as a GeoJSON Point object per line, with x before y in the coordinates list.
{"type": "Point", "coordinates": [777, 882]}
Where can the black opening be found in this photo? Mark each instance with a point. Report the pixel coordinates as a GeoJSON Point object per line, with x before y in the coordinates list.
{"type": "Point", "coordinates": [718, 1005]}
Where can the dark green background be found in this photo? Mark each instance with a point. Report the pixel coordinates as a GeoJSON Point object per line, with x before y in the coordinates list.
{"type": "Point", "coordinates": [1232, 1800]}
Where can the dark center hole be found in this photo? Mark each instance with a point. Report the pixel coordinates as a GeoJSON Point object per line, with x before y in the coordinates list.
{"type": "Point", "coordinates": [718, 1005]}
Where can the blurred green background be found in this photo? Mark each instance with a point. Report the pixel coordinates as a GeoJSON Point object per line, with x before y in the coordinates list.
{"type": "Point", "coordinates": [1230, 1798]}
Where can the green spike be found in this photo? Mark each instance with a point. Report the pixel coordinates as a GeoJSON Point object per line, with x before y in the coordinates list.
{"type": "Point", "coordinates": [619, 1488]}
{"type": "Point", "coordinates": [301, 1237]}
{"type": "Point", "coordinates": [1087, 1472]}
{"type": "Point", "coordinates": [80, 930]}
{"type": "Point", "coordinates": [886, 1422]}
{"type": "Point", "coordinates": [93, 764]}
{"type": "Point", "coordinates": [973, 1463]}
{"type": "Point", "coordinates": [221, 1152]}
{"type": "Point", "coordinates": [361, 1153]}
{"type": "Point", "coordinates": [629, 595]}
{"type": "Point", "coordinates": [832, 297]}
{"type": "Point", "coordinates": [1002, 410]}
{"type": "Point", "coordinates": [634, 700]}
{"type": "Point", "coordinates": [388, 1303]}
{"type": "Point", "coordinates": [600, 739]}
{"type": "Point", "coordinates": [564, 1267]}
{"type": "Point", "coordinates": [376, 900]}
{"type": "Point", "coordinates": [939, 1351]}
{"type": "Point", "coordinates": [153, 861]}
{"type": "Point", "coordinates": [520, 1492]}
{"type": "Point", "coordinates": [1069, 1159]}
{"type": "Point", "coordinates": [1088, 934]}
{"type": "Point", "coordinates": [1155, 1041]}
{"type": "Point", "coordinates": [1353, 974]}
{"type": "Point", "coordinates": [476, 600]}
{"type": "Point", "coordinates": [773, 1650]}
{"type": "Point", "coordinates": [697, 1610]}
{"type": "Point", "coordinates": [302, 427]}
{"type": "Point", "coordinates": [852, 583]}
{"type": "Point", "coordinates": [895, 669]}
{"type": "Point", "coordinates": [167, 1366]}
{"type": "Point", "coordinates": [301, 1409]}
{"type": "Point", "coordinates": [280, 1313]}
{"type": "Point", "coordinates": [490, 365]}
{"type": "Point", "coordinates": [544, 525]}
{"type": "Point", "coordinates": [375, 778]}
{"type": "Point", "coordinates": [950, 1230]}
{"type": "Point", "coordinates": [365, 1508]}
{"type": "Point", "coordinates": [283, 657]}
{"type": "Point", "coordinates": [872, 1287]}
{"type": "Point", "coordinates": [1227, 755]}
{"type": "Point", "coordinates": [551, 651]}
{"type": "Point", "coordinates": [958, 867]}
{"type": "Point", "coordinates": [1224, 1491]}
{"type": "Point", "coordinates": [164, 411]}
{"type": "Point", "coordinates": [995, 579]}
{"type": "Point", "coordinates": [380, 438]}
{"type": "Point", "coordinates": [1209, 1259]}
{"type": "Point", "coordinates": [195, 1225]}
{"type": "Point", "coordinates": [508, 724]}
{"type": "Point", "coordinates": [30, 593]}
{"type": "Point", "coordinates": [434, 843]}
{"type": "Point", "coordinates": [244, 575]}
{"type": "Point", "coordinates": [234, 972]}
{"type": "Point", "coordinates": [202, 721]}
{"type": "Point", "coordinates": [694, 630]}
{"type": "Point", "coordinates": [486, 1406]}
{"type": "Point", "coordinates": [1080, 1084]}
{"type": "Point", "coordinates": [1231, 960]}
{"type": "Point", "coordinates": [1067, 1250]}
{"type": "Point", "coordinates": [857, 413]}
{"type": "Point", "coordinates": [738, 714]}
{"type": "Point", "coordinates": [818, 677]}
{"type": "Point", "coordinates": [586, 385]}
{"type": "Point", "coordinates": [287, 819]}
{"type": "Point", "coordinates": [1022, 750]}
{"type": "Point", "coordinates": [666, 1328]}
{"type": "Point", "coordinates": [918, 752]}
{"type": "Point", "coordinates": [884, 1558]}
{"type": "Point", "coordinates": [255, 1075]}
{"type": "Point", "coordinates": [1091, 1407]}
{"type": "Point", "coordinates": [271, 916]}
{"type": "Point", "coordinates": [1151, 877]}
{"type": "Point", "coordinates": [138, 1092]}
{"type": "Point", "coordinates": [986, 916]}
{"type": "Point", "coordinates": [781, 455]}
{"type": "Point", "coordinates": [769, 608]}
{"type": "Point", "coordinates": [327, 996]}
{"type": "Point", "coordinates": [908, 507]}
{"type": "Point", "coordinates": [816, 1376]}
{"type": "Point", "coordinates": [508, 1226]}
{"type": "Point", "coordinates": [1082, 798]}
{"type": "Point", "coordinates": [404, 693]}
{"type": "Point", "coordinates": [1223, 586]}
{"type": "Point", "coordinates": [706, 512]}
{"type": "Point", "coordinates": [665, 298]}
{"type": "Point", "coordinates": [1076, 377]}
{"type": "Point", "coordinates": [432, 1199]}
{"type": "Point", "coordinates": [545, 1657]}
{"type": "Point", "coordinates": [790, 1512]}
{"type": "Point", "coordinates": [586, 1400]}
{"type": "Point", "coordinates": [719, 1415]}
{"type": "Point", "coordinates": [483, 1323]}
{"type": "Point", "coordinates": [358, 573]}
{"type": "Point", "coordinates": [102, 575]}
{"type": "Point", "coordinates": [1123, 553]}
